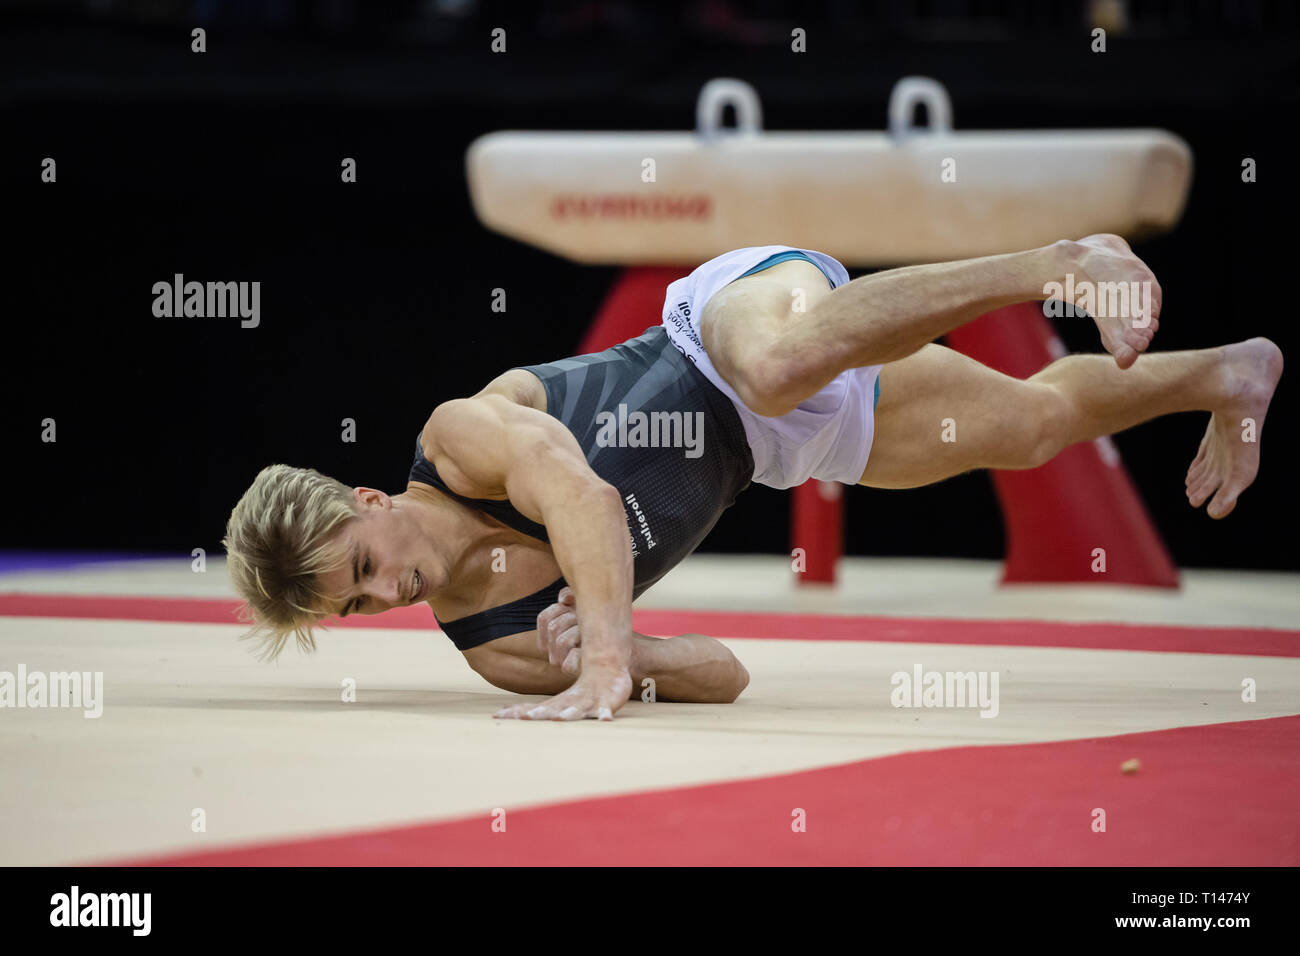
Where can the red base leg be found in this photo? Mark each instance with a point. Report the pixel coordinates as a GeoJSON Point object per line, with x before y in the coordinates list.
{"type": "Point", "coordinates": [816, 531]}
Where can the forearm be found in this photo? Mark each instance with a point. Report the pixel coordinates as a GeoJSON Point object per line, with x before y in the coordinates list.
{"type": "Point", "coordinates": [487, 445]}
{"type": "Point", "coordinates": [588, 531]}
{"type": "Point", "coordinates": [889, 315]}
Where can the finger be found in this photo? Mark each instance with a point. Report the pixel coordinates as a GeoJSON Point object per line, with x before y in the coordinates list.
{"type": "Point", "coordinates": [567, 596]}
{"type": "Point", "coordinates": [559, 628]}
{"type": "Point", "coordinates": [558, 624]}
{"type": "Point", "coordinates": [609, 702]}
{"type": "Point", "coordinates": [563, 621]}
{"type": "Point", "coordinates": [544, 624]}
{"type": "Point", "coordinates": [513, 712]}
{"type": "Point", "coordinates": [573, 662]}
{"type": "Point", "coordinates": [550, 613]}
{"type": "Point", "coordinates": [552, 707]}
{"type": "Point", "coordinates": [553, 710]}
{"type": "Point", "coordinates": [573, 704]}
{"type": "Point", "coordinates": [563, 645]}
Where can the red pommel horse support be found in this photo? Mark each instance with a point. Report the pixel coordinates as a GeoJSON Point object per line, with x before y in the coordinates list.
{"type": "Point", "coordinates": [662, 203]}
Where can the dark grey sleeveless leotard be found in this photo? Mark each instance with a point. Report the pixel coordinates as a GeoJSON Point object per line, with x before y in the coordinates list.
{"type": "Point", "coordinates": [619, 404]}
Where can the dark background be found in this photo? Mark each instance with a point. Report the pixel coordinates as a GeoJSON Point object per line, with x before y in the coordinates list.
{"type": "Point", "coordinates": [376, 296]}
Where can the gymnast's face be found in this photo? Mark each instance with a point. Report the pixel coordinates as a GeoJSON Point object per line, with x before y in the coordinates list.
{"type": "Point", "coordinates": [387, 560]}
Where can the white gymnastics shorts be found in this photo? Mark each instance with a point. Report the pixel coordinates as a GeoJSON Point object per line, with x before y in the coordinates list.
{"type": "Point", "coordinates": [829, 435]}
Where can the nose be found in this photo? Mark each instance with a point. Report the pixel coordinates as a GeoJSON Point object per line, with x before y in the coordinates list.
{"type": "Point", "coordinates": [388, 590]}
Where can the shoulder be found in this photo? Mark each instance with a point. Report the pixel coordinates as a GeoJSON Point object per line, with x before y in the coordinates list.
{"type": "Point", "coordinates": [513, 388]}
{"type": "Point", "coordinates": [479, 417]}
{"type": "Point", "coordinates": [452, 417]}
{"type": "Point", "coordinates": [462, 439]}
{"type": "Point", "coordinates": [476, 443]}
{"type": "Point", "coordinates": [518, 386]}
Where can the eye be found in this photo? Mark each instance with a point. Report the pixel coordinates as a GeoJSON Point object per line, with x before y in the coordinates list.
{"type": "Point", "coordinates": [365, 569]}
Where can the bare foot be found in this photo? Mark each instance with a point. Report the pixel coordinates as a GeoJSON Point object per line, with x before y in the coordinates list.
{"type": "Point", "coordinates": [1105, 261]}
{"type": "Point", "coordinates": [1228, 458]}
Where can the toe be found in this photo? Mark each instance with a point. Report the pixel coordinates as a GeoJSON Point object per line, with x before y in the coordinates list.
{"type": "Point", "coordinates": [1222, 504]}
{"type": "Point", "coordinates": [1200, 491]}
{"type": "Point", "coordinates": [1197, 468]}
{"type": "Point", "coordinates": [1138, 339]}
{"type": "Point", "coordinates": [1125, 356]}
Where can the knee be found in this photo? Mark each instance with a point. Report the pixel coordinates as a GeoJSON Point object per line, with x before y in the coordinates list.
{"type": "Point", "coordinates": [769, 385]}
{"type": "Point", "coordinates": [1049, 430]}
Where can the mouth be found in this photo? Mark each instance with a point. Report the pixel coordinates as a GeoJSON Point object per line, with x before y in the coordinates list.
{"type": "Point", "coordinates": [419, 587]}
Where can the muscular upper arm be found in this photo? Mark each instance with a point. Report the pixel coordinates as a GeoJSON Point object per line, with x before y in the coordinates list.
{"type": "Point", "coordinates": [490, 447]}
{"type": "Point", "coordinates": [518, 664]}
{"type": "Point", "coordinates": [515, 663]}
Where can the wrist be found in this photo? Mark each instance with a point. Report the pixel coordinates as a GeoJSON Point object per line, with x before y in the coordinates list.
{"type": "Point", "coordinates": [607, 639]}
{"type": "Point", "coordinates": [1055, 262]}
{"type": "Point", "coordinates": [607, 662]}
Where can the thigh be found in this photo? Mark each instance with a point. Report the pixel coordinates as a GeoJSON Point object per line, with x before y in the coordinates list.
{"type": "Point", "coordinates": [942, 414]}
{"type": "Point", "coordinates": [742, 322]}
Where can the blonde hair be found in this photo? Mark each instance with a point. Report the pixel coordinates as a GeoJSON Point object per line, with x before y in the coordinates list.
{"type": "Point", "coordinates": [279, 540]}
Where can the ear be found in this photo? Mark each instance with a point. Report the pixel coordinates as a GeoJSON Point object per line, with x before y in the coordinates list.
{"type": "Point", "coordinates": [372, 498]}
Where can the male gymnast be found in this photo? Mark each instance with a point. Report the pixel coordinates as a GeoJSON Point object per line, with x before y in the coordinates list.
{"type": "Point", "coordinates": [535, 515]}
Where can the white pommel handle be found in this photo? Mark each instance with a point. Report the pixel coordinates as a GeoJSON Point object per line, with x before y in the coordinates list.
{"type": "Point", "coordinates": [716, 96]}
{"type": "Point", "coordinates": [907, 93]}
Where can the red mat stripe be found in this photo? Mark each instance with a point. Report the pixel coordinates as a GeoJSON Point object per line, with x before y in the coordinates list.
{"type": "Point", "coordinates": [1266, 642]}
{"type": "Point", "coordinates": [1215, 795]}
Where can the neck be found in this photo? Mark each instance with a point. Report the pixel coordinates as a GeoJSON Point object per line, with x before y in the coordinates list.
{"type": "Point", "coordinates": [455, 530]}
